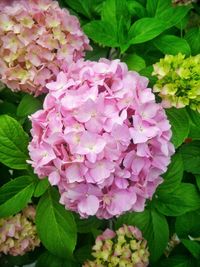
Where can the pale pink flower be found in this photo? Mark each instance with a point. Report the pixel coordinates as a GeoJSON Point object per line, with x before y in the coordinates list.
{"type": "Point", "coordinates": [39, 39]}
{"type": "Point", "coordinates": [101, 138]}
{"type": "Point", "coordinates": [125, 247]}
{"type": "Point", "coordinates": [18, 233]}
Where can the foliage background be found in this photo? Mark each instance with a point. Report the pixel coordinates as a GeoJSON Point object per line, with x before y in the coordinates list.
{"type": "Point", "coordinates": [139, 32]}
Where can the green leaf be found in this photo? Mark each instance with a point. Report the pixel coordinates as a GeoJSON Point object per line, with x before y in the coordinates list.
{"type": "Point", "coordinates": [41, 187]}
{"type": "Point", "coordinates": [115, 13]}
{"type": "Point", "coordinates": [109, 12]}
{"type": "Point", "coordinates": [134, 62]}
{"type": "Point", "coordinates": [13, 143]}
{"type": "Point", "coordinates": [82, 7]}
{"type": "Point", "coordinates": [157, 6]}
{"type": "Point", "coordinates": [194, 133]}
{"type": "Point", "coordinates": [55, 225]}
{"type": "Point", "coordinates": [147, 72]}
{"type": "Point", "coordinates": [28, 105]}
{"type": "Point", "coordinates": [191, 157]}
{"type": "Point", "coordinates": [167, 14]}
{"type": "Point", "coordinates": [88, 8]}
{"type": "Point", "coordinates": [172, 15]}
{"type": "Point", "coordinates": [179, 261]}
{"type": "Point", "coordinates": [194, 117]}
{"type": "Point", "coordinates": [84, 253]}
{"type": "Point", "coordinates": [172, 45]}
{"type": "Point", "coordinates": [174, 174]}
{"type": "Point", "coordinates": [198, 180]}
{"type": "Point", "coordinates": [188, 224]}
{"type": "Point", "coordinates": [16, 194]}
{"type": "Point", "coordinates": [97, 53]}
{"type": "Point", "coordinates": [183, 199]}
{"type": "Point", "coordinates": [112, 29]}
{"type": "Point", "coordinates": [100, 32]}
{"type": "Point", "coordinates": [153, 226]}
{"type": "Point", "coordinates": [193, 38]}
{"type": "Point", "coordinates": [193, 247]}
{"type": "Point", "coordinates": [86, 225]}
{"type": "Point", "coordinates": [180, 125]}
{"type": "Point", "coordinates": [145, 29]}
{"type": "Point", "coordinates": [136, 9]}
{"type": "Point", "coordinates": [50, 260]}
{"type": "Point", "coordinates": [8, 108]}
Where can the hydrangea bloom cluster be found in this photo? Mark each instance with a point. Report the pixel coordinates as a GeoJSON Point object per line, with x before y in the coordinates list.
{"type": "Point", "coordinates": [178, 81]}
{"type": "Point", "coordinates": [101, 138]}
{"type": "Point", "coordinates": [125, 248]}
{"type": "Point", "coordinates": [18, 233]}
{"type": "Point", "coordinates": [37, 40]}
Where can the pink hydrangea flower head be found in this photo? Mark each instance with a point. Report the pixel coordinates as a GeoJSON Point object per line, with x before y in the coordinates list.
{"type": "Point", "coordinates": [125, 247]}
{"type": "Point", "coordinates": [37, 40]}
{"type": "Point", "coordinates": [18, 233]}
{"type": "Point", "coordinates": [101, 138]}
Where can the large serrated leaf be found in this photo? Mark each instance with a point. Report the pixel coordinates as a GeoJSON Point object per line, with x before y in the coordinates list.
{"type": "Point", "coordinates": [145, 29]}
{"type": "Point", "coordinates": [13, 143]}
{"type": "Point", "coordinates": [180, 125]}
{"type": "Point", "coordinates": [172, 45]}
{"type": "Point", "coordinates": [193, 38]}
{"type": "Point", "coordinates": [28, 105]}
{"type": "Point", "coordinates": [174, 174]}
{"type": "Point", "coordinates": [55, 225]}
{"type": "Point", "coordinates": [191, 157]}
{"type": "Point", "coordinates": [188, 224]}
{"type": "Point", "coordinates": [16, 194]}
{"type": "Point", "coordinates": [183, 199]}
{"type": "Point", "coordinates": [99, 32]}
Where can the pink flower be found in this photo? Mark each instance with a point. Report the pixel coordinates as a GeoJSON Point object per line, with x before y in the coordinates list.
{"type": "Point", "coordinates": [39, 39]}
{"type": "Point", "coordinates": [18, 233]}
{"type": "Point", "coordinates": [100, 139]}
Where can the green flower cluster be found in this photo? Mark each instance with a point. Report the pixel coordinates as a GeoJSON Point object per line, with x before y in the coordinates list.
{"type": "Point", "coordinates": [178, 81]}
{"type": "Point", "coordinates": [18, 233]}
{"type": "Point", "coordinates": [125, 248]}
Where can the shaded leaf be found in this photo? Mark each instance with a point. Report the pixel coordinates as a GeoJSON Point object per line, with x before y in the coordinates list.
{"type": "Point", "coordinates": [28, 105]}
{"type": "Point", "coordinates": [183, 199]}
{"type": "Point", "coordinates": [193, 38]}
{"type": "Point", "coordinates": [134, 62]}
{"type": "Point", "coordinates": [180, 125]}
{"type": "Point", "coordinates": [193, 247]}
{"type": "Point", "coordinates": [41, 187]}
{"type": "Point", "coordinates": [188, 224]}
{"type": "Point", "coordinates": [15, 195]}
{"type": "Point", "coordinates": [145, 29]}
{"type": "Point", "coordinates": [172, 45]}
{"type": "Point", "coordinates": [191, 157]}
{"type": "Point", "coordinates": [174, 174]}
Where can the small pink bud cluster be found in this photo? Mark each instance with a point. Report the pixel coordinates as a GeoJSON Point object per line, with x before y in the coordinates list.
{"type": "Point", "coordinates": [101, 138]}
{"type": "Point", "coordinates": [37, 39]}
{"type": "Point", "coordinates": [18, 233]}
{"type": "Point", "coordinates": [125, 248]}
